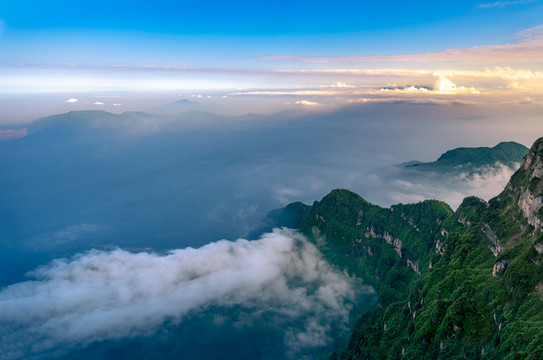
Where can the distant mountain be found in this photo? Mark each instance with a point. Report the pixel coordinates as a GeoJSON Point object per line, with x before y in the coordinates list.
{"type": "Point", "coordinates": [176, 107]}
{"type": "Point", "coordinates": [464, 284]}
{"type": "Point", "coordinates": [127, 121]}
{"type": "Point", "coordinates": [509, 154]}
{"type": "Point", "coordinates": [482, 171]}
{"type": "Point", "coordinates": [82, 118]}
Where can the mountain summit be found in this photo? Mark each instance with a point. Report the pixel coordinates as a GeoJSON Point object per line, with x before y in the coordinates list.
{"type": "Point", "coordinates": [464, 284]}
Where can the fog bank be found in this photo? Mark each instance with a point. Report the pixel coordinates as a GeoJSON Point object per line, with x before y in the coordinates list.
{"type": "Point", "coordinates": [108, 295]}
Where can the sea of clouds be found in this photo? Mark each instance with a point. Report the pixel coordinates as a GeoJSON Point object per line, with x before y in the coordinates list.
{"type": "Point", "coordinates": [107, 295]}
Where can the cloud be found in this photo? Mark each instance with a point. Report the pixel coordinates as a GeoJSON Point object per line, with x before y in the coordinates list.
{"type": "Point", "coordinates": [111, 295]}
{"type": "Point", "coordinates": [287, 92]}
{"type": "Point", "coordinates": [117, 104]}
{"type": "Point", "coordinates": [339, 84]}
{"type": "Point", "coordinates": [407, 187]}
{"type": "Point", "coordinates": [408, 101]}
{"type": "Point", "coordinates": [71, 100]}
{"type": "Point", "coordinates": [529, 48]}
{"type": "Point", "coordinates": [445, 86]}
{"type": "Point", "coordinates": [67, 235]}
{"type": "Point", "coordinates": [307, 103]}
{"type": "Point", "coordinates": [98, 103]}
{"type": "Point", "coordinates": [505, 3]}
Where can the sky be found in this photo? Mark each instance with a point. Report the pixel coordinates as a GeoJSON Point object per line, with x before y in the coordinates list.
{"type": "Point", "coordinates": [257, 57]}
{"type": "Point", "coordinates": [91, 215]}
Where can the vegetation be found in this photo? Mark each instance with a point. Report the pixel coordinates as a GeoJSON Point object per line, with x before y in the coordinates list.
{"type": "Point", "coordinates": [507, 153]}
{"type": "Point", "coordinates": [463, 284]}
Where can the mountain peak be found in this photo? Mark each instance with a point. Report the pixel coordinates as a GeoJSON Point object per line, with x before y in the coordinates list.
{"type": "Point", "coordinates": [506, 153]}
{"type": "Point", "coordinates": [533, 162]}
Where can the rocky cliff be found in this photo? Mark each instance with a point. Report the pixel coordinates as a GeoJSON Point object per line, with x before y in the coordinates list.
{"type": "Point", "coordinates": [467, 284]}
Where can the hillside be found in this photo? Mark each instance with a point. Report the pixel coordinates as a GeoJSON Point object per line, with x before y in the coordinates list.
{"type": "Point", "coordinates": [467, 284]}
{"type": "Point", "coordinates": [457, 173]}
{"type": "Point", "coordinates": [506, 153]}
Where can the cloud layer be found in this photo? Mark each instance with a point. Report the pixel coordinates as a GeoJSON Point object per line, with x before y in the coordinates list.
{"type": "Point", "coordinates": [101, 295]}
{"type": "Point", "coordinates": [413, 186]}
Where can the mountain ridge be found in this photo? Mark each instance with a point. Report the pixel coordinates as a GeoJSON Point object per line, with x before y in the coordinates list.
{"type": "Point", "coordinates": [466, 284]}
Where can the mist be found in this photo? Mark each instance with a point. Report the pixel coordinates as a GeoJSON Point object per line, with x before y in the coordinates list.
{"type": "Point", "coordinates": [109, 224]}
{"type": "Point", "coordinates": [395, 184]}
{"type": "Point", "coordinates": [278, 285]}
{"type": "Point", "coordinates": [156, 182]}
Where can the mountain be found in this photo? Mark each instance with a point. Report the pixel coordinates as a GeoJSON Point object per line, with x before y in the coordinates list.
{"type": "Point", "coordinates": [176, 107]}
{"type": "Point", "coordinates": [506, 153]}
{"type": "Point", "coordinates": [482, 171]}
{"type": "Point", "coordinates": [464, 284]}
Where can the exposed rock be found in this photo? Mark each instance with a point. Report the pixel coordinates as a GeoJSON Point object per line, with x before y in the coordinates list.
{"type": "Point", "coordinates": [535, 164]}
{"type": "Point", "coordinates": [440, 247]}
{"type": "Point", "coordinates": [499, 268]}
{"type": "Point", "coordinates": [318, 217]}
{"type": "Point", "coordinates": [491, 235]}
{"type": "Point", "coordinates": [539, 248]}
{"type": "Point", "coordinates": [529, 205]}
{"type": "Point", "coordinates": [390, 239]}
{"type": "Point", "coordinates": [539, 288]}
{"type": "Point", "coordinates": [398, 246]}
{"type": "Point", "coordinates": [414, 265]}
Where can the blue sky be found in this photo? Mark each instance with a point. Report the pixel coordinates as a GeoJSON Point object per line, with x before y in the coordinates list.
{"type": "Point", "coordinates": [345, 27]}
{"type": "Point", "coordinates": [455, 48]}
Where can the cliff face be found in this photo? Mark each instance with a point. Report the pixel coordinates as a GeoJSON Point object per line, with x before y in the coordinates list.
{"type": "Point", "coordinates": [464, 284]}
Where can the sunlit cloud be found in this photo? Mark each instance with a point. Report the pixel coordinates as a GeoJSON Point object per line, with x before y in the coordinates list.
{"type": "Point", "coordinates": [288, 92]}
{"type": "Point", "coordinates": [446, 86]}
{"type": "Point", "coordinates": [339, 84]}
{"type": "Point", "coordinates": [117, 104]}
{"type": "Point", "coordinates": [307, 103]}
{"type": "Point", "coordinates": [529, 48]}
{"type": "Point", "coordinates": [71, 100]}
{"type": "Point", "coordinates": [98, 103]}
{"type": "Point", "coordinates": [412, 101]}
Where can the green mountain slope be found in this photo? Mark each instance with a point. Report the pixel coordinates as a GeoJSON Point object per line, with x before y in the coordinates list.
{"type": "Point", "coordinates": [507, 153]}
{"type": "Point", "coordinates": [467, 284]}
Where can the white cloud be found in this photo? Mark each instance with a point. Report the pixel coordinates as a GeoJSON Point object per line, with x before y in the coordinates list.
{"type": "Point", "coordinates": [505, 3]}
{"type": "Point", "coordinates": [117, 104]}
{"type": "Point", "coordinates": [71, 100]}
{"type": "Point", "coordinates": [307, 103]}
{"type": "Point", "coordinates": [529, 49]}
{"type": "Point", "coordinates": [98, 103]}
{"type": "Point", "coordinates": [339, 84]}
{"type": "Point", "coordinates": [486, 183]}
{"type": "Point", "coordinates": [109, 295]}
{"type": "Point", "coordinates": [446, 86]}
{"type": "Point", "coordinates": [289, 92]}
